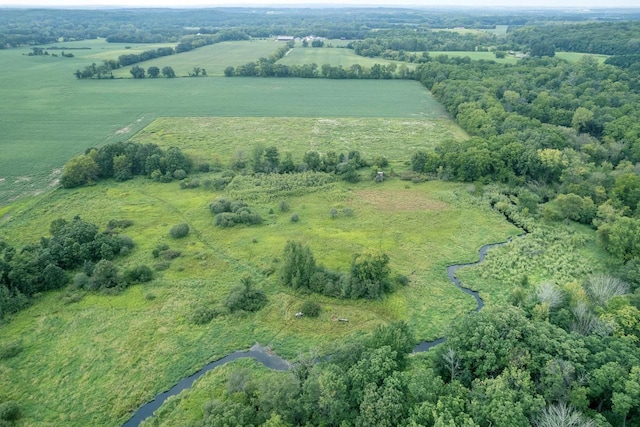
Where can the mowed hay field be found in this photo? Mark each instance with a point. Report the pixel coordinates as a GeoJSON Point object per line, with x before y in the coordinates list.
{"type": "Point", "coordinates": [48, 116]}
{"type": "Point", "coordinates": [332, 56]}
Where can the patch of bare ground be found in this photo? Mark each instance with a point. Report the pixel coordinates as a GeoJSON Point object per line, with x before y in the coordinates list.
{"type": "Point", "coordinates": [125, 129]}
{"type": "Point", "coordinates": [400, 200]}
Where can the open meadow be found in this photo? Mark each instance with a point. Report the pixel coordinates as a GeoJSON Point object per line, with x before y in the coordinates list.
{"type": "Point", "coordinates": [107, 354]}
{"type": "Point", "coordinates": [332, 56]}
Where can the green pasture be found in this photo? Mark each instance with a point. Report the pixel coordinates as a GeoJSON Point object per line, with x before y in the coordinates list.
{"type": "Point", "coordinates": [577, 56]}
{"type": "Point", "coordinates": [222, 140]}
{"type": "Point", "coordinates": [214, 58]}
{"type": "Point", "coordinates": [332, 56]}
{"type": "Point", "coordinates": [47, 115]}
{"type": "Point", "coordinates": [104, 355]}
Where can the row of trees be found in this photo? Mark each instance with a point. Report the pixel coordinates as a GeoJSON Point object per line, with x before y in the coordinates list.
{"type": "Point", "coordinates": [153, 72]}
{"type": "Point", "coordinates": [123, 161]}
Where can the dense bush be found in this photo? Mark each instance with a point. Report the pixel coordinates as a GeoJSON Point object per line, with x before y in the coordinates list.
{"type": "Point", "coordinates": [310, 309]}
{"type": "Point", "coordinates": [10, 349]}
{"type": "Point", "coordinates": [204, 314]}
{"type": "Point", "coordinates": [245, 297]}
{"type": "Point", "coordinates": [179, 231]}
{"type": "Point", "coordinates": [230, 213]}
{"type": "Point", "coordinates": [9, 411]}
{"type": "Point", "coordinates": [139, 274]}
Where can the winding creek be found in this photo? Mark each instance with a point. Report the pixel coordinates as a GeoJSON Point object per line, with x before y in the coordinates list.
{"type": "Point", "coordinates": [275, 362]}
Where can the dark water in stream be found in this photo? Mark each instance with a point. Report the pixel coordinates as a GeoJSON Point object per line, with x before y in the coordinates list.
{"type": "Point", "coordinates": [275, 362]}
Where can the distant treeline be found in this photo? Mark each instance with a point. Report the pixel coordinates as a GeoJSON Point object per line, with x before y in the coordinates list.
{"type": "Point", "coordinates": [28, 27]}
{"type": "Point", "coordinates": [622, 38]}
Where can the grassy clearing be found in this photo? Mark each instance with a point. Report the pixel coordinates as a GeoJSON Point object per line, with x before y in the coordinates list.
{"type": "Point", "coordinates": [105, 355]}
{"type": "Point", "coordinates": [331, 56]}
{"type": "Point", "coordinates": [510, 59]}
{"type": "Point", "coordinates": [576, 56]}
{"type": "Point", "coordinates": [216, 139]}
{"type": "Point", "coordinates": [476, 56]}
{"type": "Point", "coordinates": [47, 116]}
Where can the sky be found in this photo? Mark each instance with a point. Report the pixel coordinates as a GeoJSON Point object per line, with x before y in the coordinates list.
{"type": "Point", "coordinates": [578, 4]}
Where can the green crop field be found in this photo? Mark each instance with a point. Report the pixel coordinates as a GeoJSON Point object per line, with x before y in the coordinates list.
{"type": "Point", "coordinates": [47, 115]}
{"type": "Point", "coordinates": [214, 58]}
{"type": "Point", "coordinates": [331, 56]}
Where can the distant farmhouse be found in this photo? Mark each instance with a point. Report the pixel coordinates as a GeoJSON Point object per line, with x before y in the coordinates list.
{"type": "Point", "coordinates": [309, 39]}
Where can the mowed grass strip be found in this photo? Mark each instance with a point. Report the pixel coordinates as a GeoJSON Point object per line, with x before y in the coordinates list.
{"type": "Point", "coordinates": [103, 356]}
{"type": "Point", "coordinates": [332, 56]}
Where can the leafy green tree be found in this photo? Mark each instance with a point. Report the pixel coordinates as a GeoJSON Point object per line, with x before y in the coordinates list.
{"type": "Point", "coordinates": [137, 72]}
{"type": "Point", "coordinates": [384, 405]}
{"type": "Point", "coordinates": [272, 158]}
{"type": "Point", "coordinates": [369, 276]}
{"type": "Point", "coordinates": [626, 191]}
{"type": "Point", "coordinates": [80, 170]}
{"type": "Point", "coordinates": [153, 71]}
{"type": "Point", "coordinates": [122, 168]}
{"type": "Point", "coordinates": [621, 238]}
{"type": "Point", "coordinates": [507, 400]}
{"type": "Point", "coordinates": [168, 72]}
{"type": "Point", "coordinates": [298, 265]}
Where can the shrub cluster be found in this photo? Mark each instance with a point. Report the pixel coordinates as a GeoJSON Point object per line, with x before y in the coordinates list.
{"type": "Point", "coordinates": [104, 275]}
{"type": "Point", "coordinates": [229, 213]}
{"type": "Point", "coordinates": [44, 266]}
{"type": "Point", "coordinates": [123, 161]}
{"type": "Point", "coordinates": [179, 231]}
{"type": "Point", "coordinates": [245, 297]}
{"type": "Point", "coordinates": [369, 276]}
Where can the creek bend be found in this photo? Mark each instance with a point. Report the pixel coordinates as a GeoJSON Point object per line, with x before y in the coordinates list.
{"type": "Point", "coordinates": [272, 361]}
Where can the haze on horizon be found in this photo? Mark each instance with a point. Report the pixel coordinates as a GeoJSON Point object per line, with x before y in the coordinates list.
{"type": "Point", "coordinates": [573, 4]}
